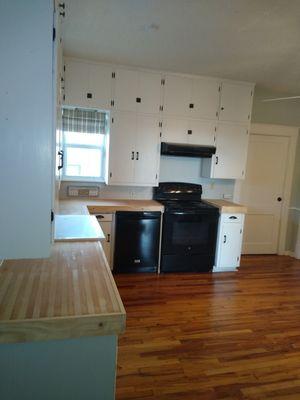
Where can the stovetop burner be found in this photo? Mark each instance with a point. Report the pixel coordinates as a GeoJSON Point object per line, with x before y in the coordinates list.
{"type": "Point", "coordinates": [186, 206]}
{"type": "Point", "coordinates": [182, 197]}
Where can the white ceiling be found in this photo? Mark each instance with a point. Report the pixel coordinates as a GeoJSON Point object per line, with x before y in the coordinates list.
{"type": "Point", "coordinates": [252, 40]}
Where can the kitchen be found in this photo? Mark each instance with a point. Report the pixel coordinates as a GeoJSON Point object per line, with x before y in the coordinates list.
{"type": "Point", "coordinates": [139, 177]}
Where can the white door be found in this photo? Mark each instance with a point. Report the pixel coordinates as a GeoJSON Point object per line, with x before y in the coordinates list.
{"type": "Point", "coordinates": [236, 102]}
{"type": "Point", "coordinates": [121, 148]}
{"type": "Point", "coordinates": [100, 86]}
{"type": "Point", "coordinates": [261, 192]}
{"type": "Point", "coordinates": [205, 98]}
{"type": "Point", "coordinates": [230, 250]}
{"type": "Point", "coordinates": [201, 132]}
{"type": "Point", "coordinates": [147, 151]}
{"type": "Point", "coordinates": [177, 95]}
{"type": "Point", "coordinates": [231, 155]}
{"type": "Point", "coordinates": [149, 93]}
{"type": "Point", "coordinates": [76, 83]}
{"type": "Point", "coordinates": [125, 90]}
{"type": "Point", "coordinates": [175, 130]}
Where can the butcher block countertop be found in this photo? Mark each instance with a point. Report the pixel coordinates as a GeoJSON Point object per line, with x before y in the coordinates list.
{"type": "Point", "coordinates": [69, 295]}
{"type": "Point", "coordinates": [85, 206]}
{"type": "Point", "coordinates": [227, 206]}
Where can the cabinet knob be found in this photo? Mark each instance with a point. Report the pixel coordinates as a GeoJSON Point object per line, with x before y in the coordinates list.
{"type": "Point", "coordinates": [279, 199]}
{"type": "Point", "coordinates": [138, 100]}
{"type": "Point", "coordinates": [222, 108]}
{"type": "Point", "coordinates": [191, 105]}
{"type": "Point", "coordinates": [190, 132]}
{"type": "Point", "coordinates": [89, 95]}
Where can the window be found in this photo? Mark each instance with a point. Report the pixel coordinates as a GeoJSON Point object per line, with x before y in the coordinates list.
{"type": "Point", "coordinates": [84, 137]}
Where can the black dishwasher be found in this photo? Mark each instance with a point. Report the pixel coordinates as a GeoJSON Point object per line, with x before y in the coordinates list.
{"type": "Point", "coordinates": [137, 241]}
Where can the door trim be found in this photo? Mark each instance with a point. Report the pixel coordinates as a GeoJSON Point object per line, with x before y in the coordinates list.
{"type": "Point", "coordinates": [291, 132]}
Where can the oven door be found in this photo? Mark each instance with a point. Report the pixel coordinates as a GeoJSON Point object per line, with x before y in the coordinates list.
{"type": "Point", "coordinates": [185, 233]}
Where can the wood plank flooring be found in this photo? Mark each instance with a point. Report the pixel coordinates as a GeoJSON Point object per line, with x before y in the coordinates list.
{"type": "Point", "coordinates": [223, 336]}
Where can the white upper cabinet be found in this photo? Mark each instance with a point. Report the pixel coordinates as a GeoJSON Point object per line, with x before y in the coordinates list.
{"type": "Point", "coordinates": [87, 84]}
{"type": "Point", "coordinates": [125, 90]}
{"type": "Point", "coordinates": [147, 150]}
{"type": "Point", "coordinates": [76, 83]}
{"type": "Point", "coordinates": [205, 98]}
{"type": "Point", "coordinates": [185, 130]}
{"type": "Point", "coordinates": [122, 148]}
{"type": "Point", "coordinates": [99, 86]}
{"type": "Point", "coordinates": [175, 130]}
{"type": "Point", "coordinates": [177, 95]}
{"type": "Point", "coordinates": [191, 97]}
{"type": "Point", "coordinates": [231, 155]}
{"type": "Point", "coordinates": [201, 132]}
{"type": "Point", "coordinates": [134, 149]}
{"type": "Point", "coordinates": [236, 102]}
{"type": "Point", "coordinates": [137, 91]}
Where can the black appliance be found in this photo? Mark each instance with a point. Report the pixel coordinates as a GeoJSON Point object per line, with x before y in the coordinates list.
{"type": "Point", "coordinates": [137, 241]}
{"type": "Point", "coordinates": [190, 227]}
{"type": "Point", "coordinates": [187, 150]}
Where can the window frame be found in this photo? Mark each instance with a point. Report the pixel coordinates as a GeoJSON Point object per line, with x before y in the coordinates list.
{"type": "Point", "coordinates": [103, 149]}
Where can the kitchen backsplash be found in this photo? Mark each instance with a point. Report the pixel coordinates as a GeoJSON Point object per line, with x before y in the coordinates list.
{"type": "Point", "coordinates": [179, 169]}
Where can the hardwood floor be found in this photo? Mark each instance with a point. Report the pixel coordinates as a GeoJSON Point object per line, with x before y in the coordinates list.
{"type": "Point", "coordinates": [212, 336]}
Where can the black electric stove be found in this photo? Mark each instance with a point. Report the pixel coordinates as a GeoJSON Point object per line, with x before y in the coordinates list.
{"type": "Point", "coordinates": [190, 227]}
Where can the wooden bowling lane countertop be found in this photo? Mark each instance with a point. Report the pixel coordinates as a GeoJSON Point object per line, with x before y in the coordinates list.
{"type": "Point", "coordinates": [225, 206]}
{"type": "Point", "coordinates": [69, 295]}
{"type": "Point", "coordinates": [86, 206]}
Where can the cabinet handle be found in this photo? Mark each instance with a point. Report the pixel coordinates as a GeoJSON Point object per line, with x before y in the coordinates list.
{"type": "Point", "coordinates": [108, 238]}
{"type": "Point", "coordinates": [99, 216]}
{"type": "Point", "coordinates": [233, 217]}
{"type": "Point", "coordinates": [61, 154]}
{"type": "Point", "coordinates": [132, 155]}
{"type": "Point", "coordinates": [217, 160]}
{"type": "Point", "coordinates": [137, 155]}
{"type": "Point", "coordinates": [225, 239]}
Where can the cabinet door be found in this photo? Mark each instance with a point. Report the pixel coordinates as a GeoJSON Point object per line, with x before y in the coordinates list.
{"type": "Point", "coordinates": [149, 93]}
{"type": "Point", "coordinates": [205, 98]}
{"type": "Point", "coordinates": [230, 247]}
{"type": "Point", "coordinates": [147, 151]}
{"type": "Point", "coordinates": [125, 90]}
{"type": "Point", "coordinates": [106, 242]}
{"type": "Point", "coordinates": [201, 132]}
{"type": "Point", "coordinates": [76, 83]}
{"type": "Point", "coordinates": [177, 95]}
{"type": "Point", "coordinates": [231, 155]}
{"type": "Point", "coordinates": [99, 86]}
{"type": "Point", "coordinates": [121, 148]}
{"type": "Point", "coordinates": [175, 130]}
{"type": "Point", "coordinates": [236, 102]}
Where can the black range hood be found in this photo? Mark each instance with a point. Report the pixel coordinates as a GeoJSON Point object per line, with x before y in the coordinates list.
{"type": "Point", "coordinates": [187, 150]}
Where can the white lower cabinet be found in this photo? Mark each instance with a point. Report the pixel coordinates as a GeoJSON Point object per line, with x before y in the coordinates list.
{"type": "Point", "coordinates": [106, 223]}
{"type": "Point", "coordinates": [229, 242]}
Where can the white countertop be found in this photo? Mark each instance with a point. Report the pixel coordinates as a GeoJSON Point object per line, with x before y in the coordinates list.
{"type": "Point", "coordinates": [77, 228]}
